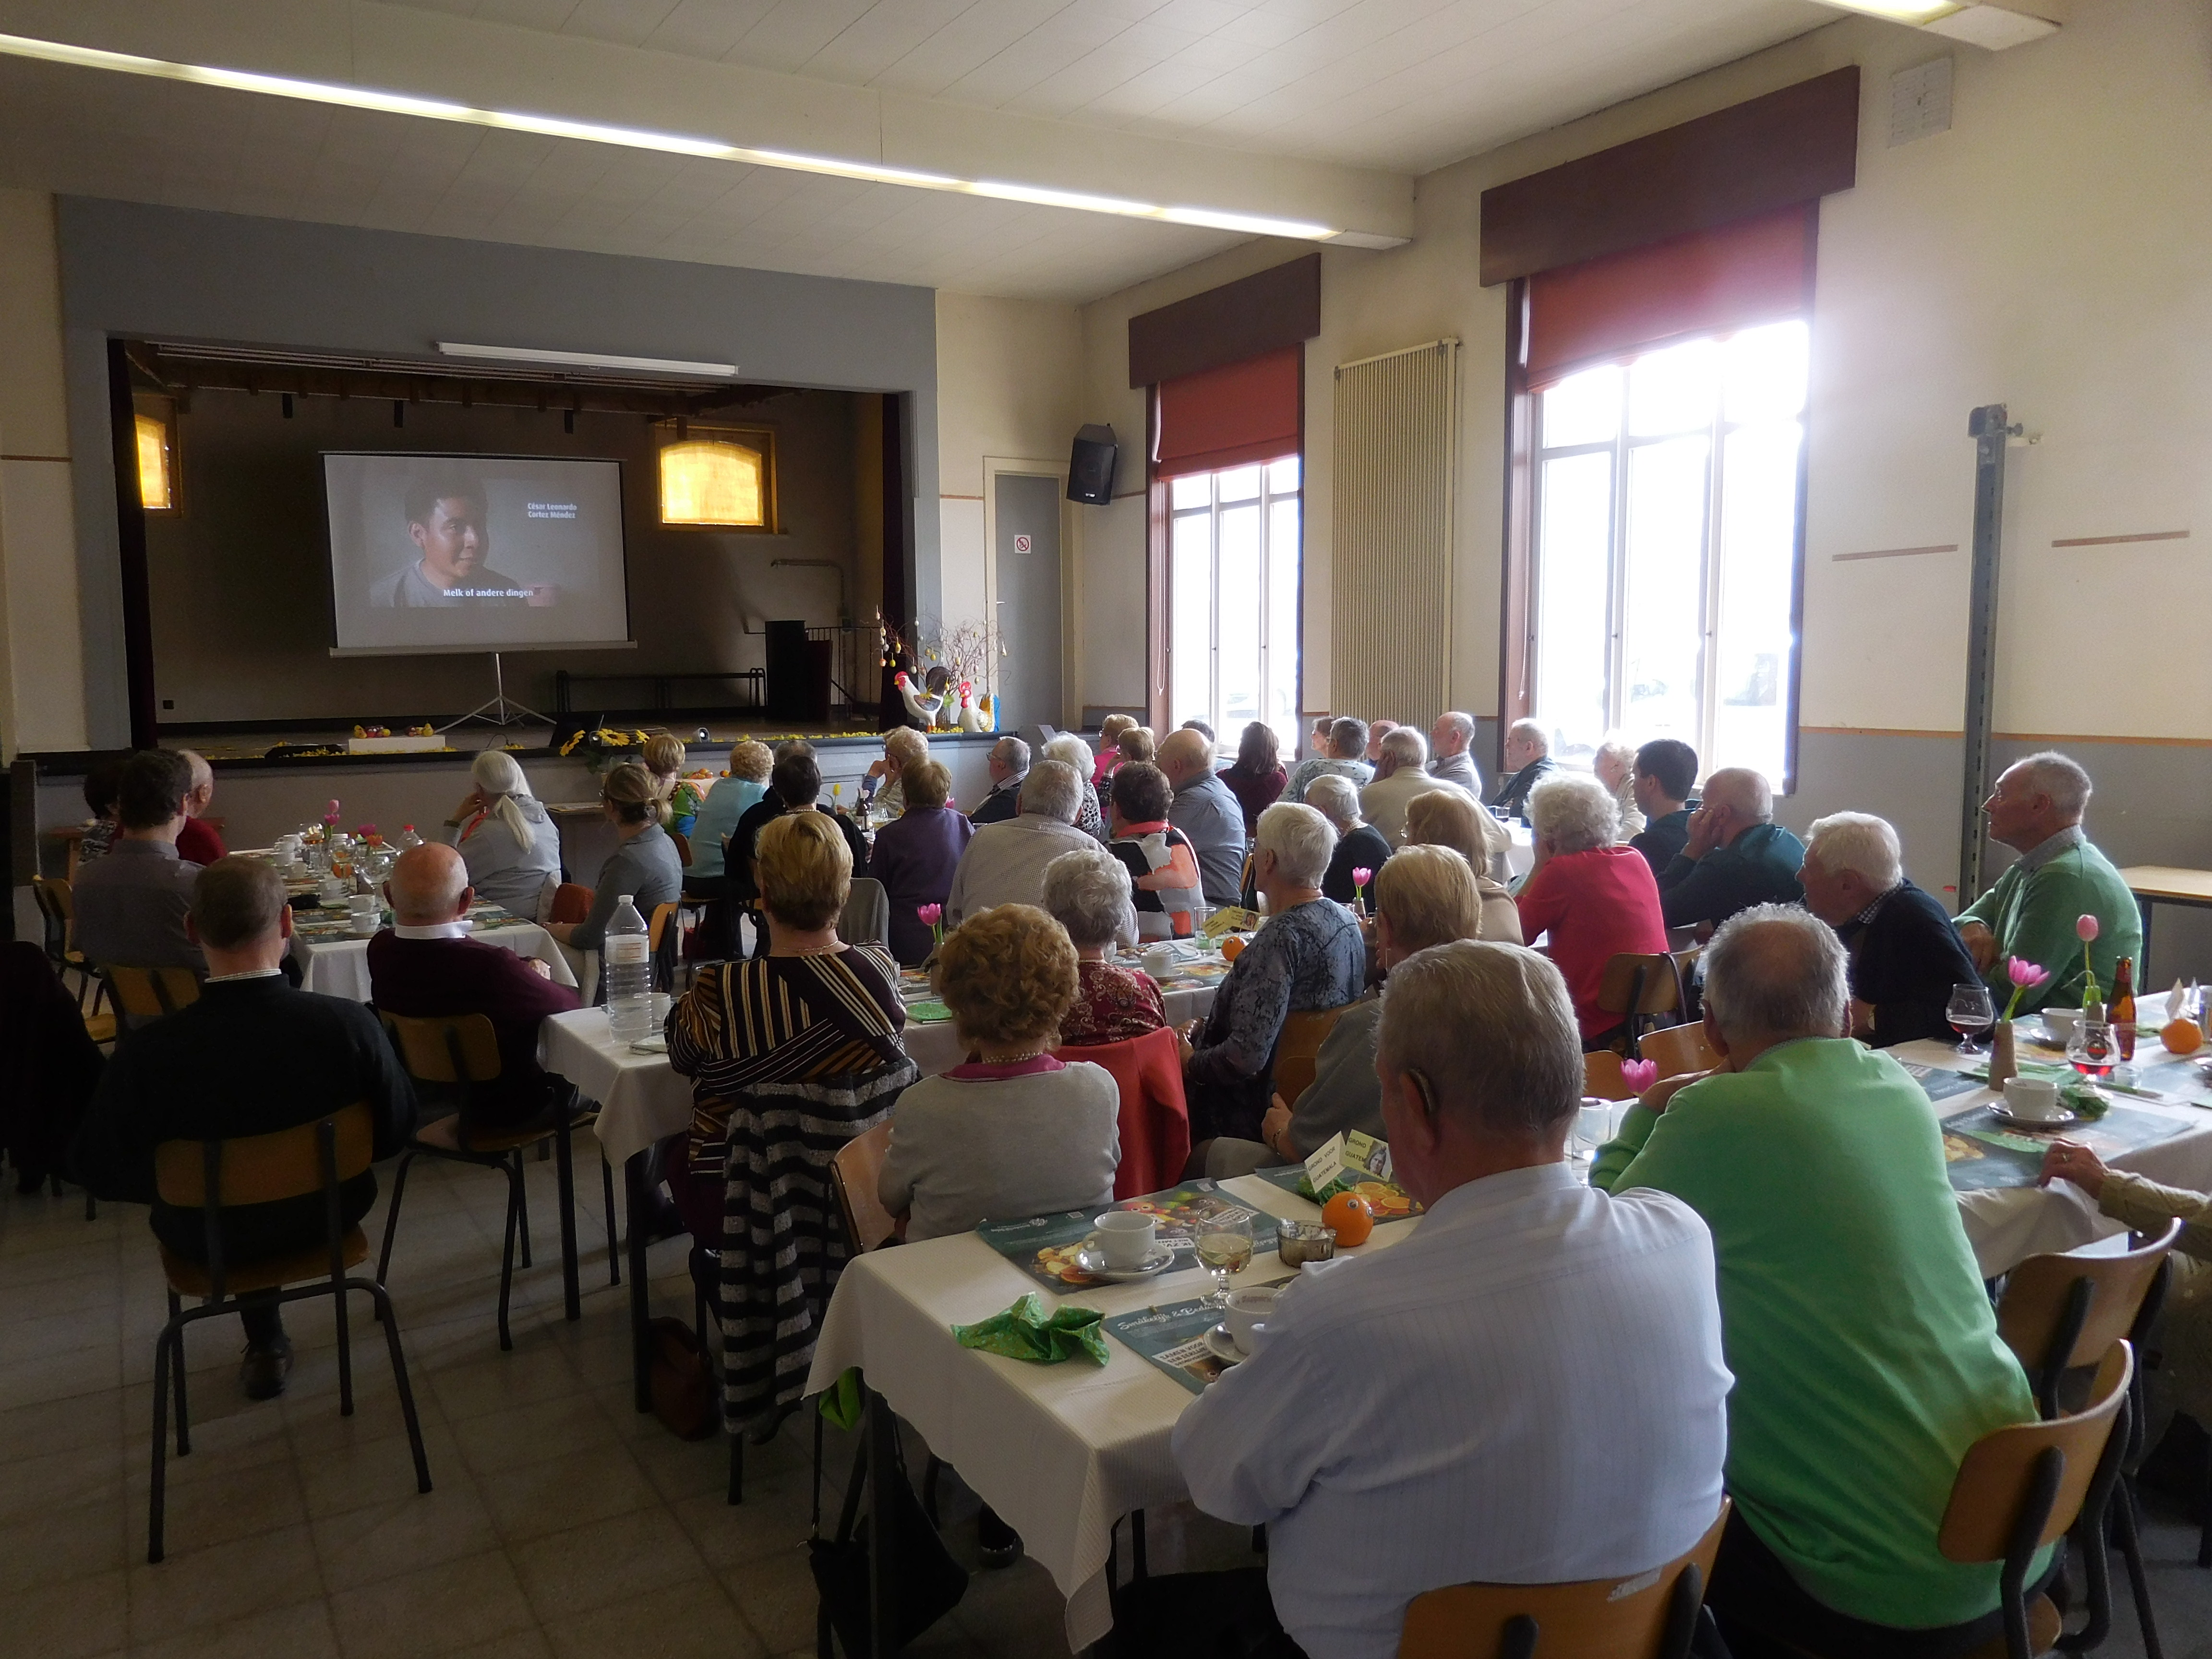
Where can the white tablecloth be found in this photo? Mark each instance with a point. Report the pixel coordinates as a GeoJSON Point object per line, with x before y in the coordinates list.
{"type": "Point", "coordinates": [339, 967]}
{"type": "Point", "coordinates": [1060, 1451]}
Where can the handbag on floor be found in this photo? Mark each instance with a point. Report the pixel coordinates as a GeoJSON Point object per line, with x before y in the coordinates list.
{"type": "Point", "coordinates": [926, 1582]}
{"type": "Point", "coordinates": [681, 1379]}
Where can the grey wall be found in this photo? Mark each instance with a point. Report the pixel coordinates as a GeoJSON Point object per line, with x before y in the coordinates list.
{"type": "Point", "coordinates": [134, 272]}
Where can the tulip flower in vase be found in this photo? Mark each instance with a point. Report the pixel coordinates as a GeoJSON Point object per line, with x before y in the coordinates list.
{"type": "Point", "coordinates": [2005, 1064]}
{"type": "Point", "coordinates": [1360, 879]}
{"type": "Point", "coordinates": [2086, 928]}
{"type": "Point", "coordinates": [931, 916]}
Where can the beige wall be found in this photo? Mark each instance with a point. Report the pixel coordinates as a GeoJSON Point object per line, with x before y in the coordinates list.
{"type": "Point", "coordinates": [41, 647]}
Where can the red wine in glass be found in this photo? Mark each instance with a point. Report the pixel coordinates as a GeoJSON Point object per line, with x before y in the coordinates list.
{"type": "Point", "coordinates": [1971, 1014]}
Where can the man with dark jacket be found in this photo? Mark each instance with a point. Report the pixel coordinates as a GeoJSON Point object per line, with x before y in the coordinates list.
{"type": "Point", "coordinates": [1665, 782]}
{"type": "Point", "coordinates": [250, 1057]}
{"type": "Point", "coordinates": [1736, 855]}
{"type": "Point", "coordinates": [1906, 956]}
{"type": "Point", "coordinates": [1010, 763]}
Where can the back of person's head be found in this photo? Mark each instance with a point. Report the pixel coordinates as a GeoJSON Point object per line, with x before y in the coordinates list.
{"type": "Point", "coordinates": [1348, 737]}
{"type": "Point", "coordinates": [1488, 1032]}
{"type": "Point", "coordinates": [1087, 892]}
{"type": "Point", "coordinates": [1142, 793]}
{"type": "Point", "coordinates": [1052, 789]}
{"type": "Point", "coordinates": [1135, 743]}
{"type": "Point", "coordinates": [499, 780]}
{"type": "Point", "coordinates": [752, 762]}
{"type": "Point", "coordinates": [1186, 751]}
{"type": "Point", "coordinates": [1775, 973]}
{"type": "Point", "coordinates": [1618, 753]}
{"type": "Point", "coordinates": [1336, 799]}
{"type": "Point", "coordinates": [1670, 764]}
{"type": "Point", "coordinates": [663, 755]}
{"type": "Point", "coordinates": [904, 746]}
{"type": "Point", "coordinates": [1301, 839]}
{"type": "Point", "coordinates": [1535, 734]}
{"type": "Point", "coordinates": [635, 793]}
{"type": "Point", "coordinates": [152, 788]}
{"type": "Point", "coordinates": [1012, 754]}
{"type": "Point", "coordinates": [1070, 749]}
{"type": "Point", "coordinates": [805, 870]}
{"type": "Point", "coordinates": [1743, 789]}
{"type": "Point", "coordinates": [236, 901]}
{"type": "Point", "coordinates": [1202, 729]}
{"type": "Point", "coordinates": [1008, 974]}
{"type": "Point", "coordinates": [1406, 748]}
{"type": "Point", "coordinates": [927, 783]}
{"type": "Point", "coordinates": [1259, 750]}
{"type": "Point", "coordinates": [102, 779]}
{"type": "Point", "coordinates": [1111, 728]}
{"type": "Point", "coordinates": [1574, 811]}
{"type": "Point", "coordinates": [796, 780]}
{"type": "Point", "coordinates": [1428, 895]}
{"type": "Point", "coordinates": [426, 886]}
{"type": "Point", "coordinates": [203, 773]}
{"type": "Point", "coordinates": [1857, 843]}
{"type": "Point", "coordinates": [791, 746]}
{"type": "Point", "coordinates": [2061, 778]}
{"type": "Point", "coordinates": [1445, 817]}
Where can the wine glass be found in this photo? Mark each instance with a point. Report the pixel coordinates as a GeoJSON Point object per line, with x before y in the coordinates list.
{"type": "Point", "coordinates": [2093, 1051]}
{"type": "Point", "coordinates": [1971, 1014]}
{"type": "Point", "coordinates": [1225, 1245]}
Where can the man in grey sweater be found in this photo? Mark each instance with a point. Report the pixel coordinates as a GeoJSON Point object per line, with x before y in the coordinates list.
{"type": "Point", "coordinates": [1207, 813]}
{"type": "Point", "coordinates": [1004, 863]}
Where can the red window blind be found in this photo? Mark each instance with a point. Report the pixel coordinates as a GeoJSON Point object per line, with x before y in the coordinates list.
{"type": "Point", "coordinates": [1711, 282]}
{"type": "Point", "coordinates": [1229, 417]}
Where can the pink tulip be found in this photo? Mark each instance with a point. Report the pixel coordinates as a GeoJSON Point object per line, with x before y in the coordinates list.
{"type": "Point", "coordinates": [2026, 974]}
{"type": "Point", "coordinates": [2086, 926]}
{"type": "Point", "coordinates": [931, 914]}
{"type": "Point", "coordinates": [1362, 875]}
{"type": "Point", "coordinates": [1639, 1074]}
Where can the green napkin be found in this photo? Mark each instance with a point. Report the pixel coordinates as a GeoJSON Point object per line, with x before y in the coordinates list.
{"type": "Point", "coordinates": [928, 1013]}
{"type": "Point", "coordinates": [1024, 1332]}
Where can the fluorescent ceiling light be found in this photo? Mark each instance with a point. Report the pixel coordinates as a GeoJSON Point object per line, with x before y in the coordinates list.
{"type": "Point", "coordinates": [588, 360]}
{"type": "Point", "coordinates": [1901, 11]}
{"type": "Point", "coordinates": [431, 109]}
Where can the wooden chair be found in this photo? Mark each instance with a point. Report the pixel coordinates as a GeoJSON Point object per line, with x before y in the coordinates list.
{"type": "Point", "coordinates": [1680, 1048]}
{"type": "Point", "coordinates": [210, 1176]}
{"type": "Point", "coordinates": [1640, 989]}
{"type": "Point", "coordinates": [852, 1175]}
{"type": "Point", "coordinates": [682, 848]}
{"type": "Point", "coordinates": [1601, 1079]}
{"type": "Point", "coordinates": [56, 904]}
{"type": "Point", "coordinates": [1652, 1615]}
{"type": "Point", "coordinates": [1298, 1046]}
{"type": "Point", "coordinates": [571, 903]}
{"type": "Point", "coordinates": [142, 993]}
{"type": "Point", "coordinates": [461, 1051]}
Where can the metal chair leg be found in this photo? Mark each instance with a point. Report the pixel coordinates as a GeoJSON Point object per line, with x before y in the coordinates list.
{"type": "Point", "coordinates": [514, 1172]}
{"type": "Point", "coordinates": [158, 1493]}
{"type": "Point", "coordinates": [184, 1422]}
{"type": "Point", "coordinates": [522, 1203]}
{"type": "Point", "coordinates": [2123, 1517]}
{"type": "Point", "coordinates": [383, 1300]}
{"type": "Point", "coordinates": [345, 1352]}
{"type": "Point", "coordinates": [391, 1216]}
{"type": "Point", "coordinates": [614, 1240]}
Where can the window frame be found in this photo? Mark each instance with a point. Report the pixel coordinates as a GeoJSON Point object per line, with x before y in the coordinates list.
{"type": "Point", "coordinates": [761, 438]}
{"type": "Point", "coordinates": [1263, 503]}
{"type": "Point", "coordinates": [162, 412]}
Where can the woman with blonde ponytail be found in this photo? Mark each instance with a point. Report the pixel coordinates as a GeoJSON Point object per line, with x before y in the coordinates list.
{"type": "Point", "coordinates": [644, 867]}
{"type": "Point", "coordinates": [505, 835]}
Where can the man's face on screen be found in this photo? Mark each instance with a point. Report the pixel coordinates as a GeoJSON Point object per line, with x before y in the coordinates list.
{"type": "Point", "coordinates": [453, 540]}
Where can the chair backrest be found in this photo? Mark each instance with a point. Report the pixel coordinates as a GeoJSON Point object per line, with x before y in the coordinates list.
{"type": "Point", "coordinates": [571, 903]}
{"type": "Point", "coordinates": [150, 993]}
{"type": "Point", "coordinates": [1298, 1046]}
{"type": "Point", "coordinates": [1651, 1615]}
{"type": "Point", "coordinates": [445, 1047]}
{"type": "Point", "coordinates": [193, 1175]}
{"type": "Point", "coordinates": [1998, 1479]}
{"type": "Point", "coordinates": [682, 848]}
{"type": "Point", "coordinates": [657, 924]}
{"type": "Point", "coordinates": [1155, 1118]}
{"type": "Point", "coordinates": [1601, 1079]}
{"type": "Point", "coordinates": [57, 909]}
{"type": "Point", "coordinates": [2058, 1312]}
{"type": "Point", "coordinates": [1679, 1048]}
{"type": "Point", "coordinates": [852, 1175]}
{"type": "Point", "coordinates": [1640, 985]}
{"type": "Point", "coordinates": [867, 915]}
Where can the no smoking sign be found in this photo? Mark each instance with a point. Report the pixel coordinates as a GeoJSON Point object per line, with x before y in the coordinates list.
{"type": "Point", "coordinates": [1021, 544]}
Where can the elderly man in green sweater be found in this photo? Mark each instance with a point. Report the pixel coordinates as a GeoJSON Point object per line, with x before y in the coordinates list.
{"type": "Point", "coordinates": [1866, 1356]}
{"type": "Point", "coordinates": [2059, 878]}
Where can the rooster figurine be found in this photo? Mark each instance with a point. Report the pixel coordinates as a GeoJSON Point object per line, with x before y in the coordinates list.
{"type": "Point", "coordinates": [973, 716]}
{"type": "Point", "coordinates": [922, 705]}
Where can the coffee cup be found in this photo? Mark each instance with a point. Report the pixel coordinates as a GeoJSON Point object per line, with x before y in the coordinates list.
{"type": "Point", "coordinates": [335, 893]}
{"type": "Point", "coordinates": [1124, 1238]}
{"type": "Point", "coordinates": [2059, 1023]}
{"type": "Point", "coordinates": [1160, 961]}
{"type": "Point", "coordinates": [364, 923]}
{"type": "Point", "coordinates": [2033, 1099]}
{"type": "Point", "coordinates": [1247, 1315]}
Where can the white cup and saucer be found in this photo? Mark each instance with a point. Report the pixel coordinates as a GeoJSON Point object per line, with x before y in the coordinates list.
{"type": "Point", "coordinates": [1123, 1245]}
{"type": "Point", "coordinates": [1244, 1321]}
{"type": "Point", "coordinates": [2059, 1025]}
{"type": "Point", "coordinates": [1160, 961]}
{"type": "Point", "coordinates": [2033, 1103]}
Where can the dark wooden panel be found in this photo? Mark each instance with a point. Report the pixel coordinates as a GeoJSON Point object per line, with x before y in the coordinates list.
{"type": "Point", "coordinates": [1256, 314]}
{"type": "Point", "coordinates": [1795, 145]}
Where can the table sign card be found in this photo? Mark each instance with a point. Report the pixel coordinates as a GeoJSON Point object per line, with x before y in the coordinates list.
{"type": "Point", "coordinates": [1353, 1163]}
{"type": "Point", "coordinates": [1229, 919]}
{"type": "Point", "coordinates": [1173, 1337]}
{"type": "Point", "coordinates": [1982, 1154]}
{"type": "Point", "coordinates": [1044, 1246]}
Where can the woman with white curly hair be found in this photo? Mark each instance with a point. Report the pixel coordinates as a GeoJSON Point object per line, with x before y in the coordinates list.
{"type": "Point", "coordinates": [1596, 899]}
{"type": "Point", "coordinates": [506, 836]}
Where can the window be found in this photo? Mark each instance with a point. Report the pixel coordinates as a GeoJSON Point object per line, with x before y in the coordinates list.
{"type": "Point", "coordinates": [1666, 539]}
{"type": "Point", "coordinates": [155, 438]}
{"type": "Point", "coordinates": [724, 480]}
{"type": "Point", "coordinates": [1233, 599]}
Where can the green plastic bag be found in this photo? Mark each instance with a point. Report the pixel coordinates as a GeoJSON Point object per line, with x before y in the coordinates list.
{"type": "Point", "coordinates": [1025, 1332]}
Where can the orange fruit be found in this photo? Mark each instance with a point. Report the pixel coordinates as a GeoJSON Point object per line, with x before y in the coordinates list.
{"type": "Point", "coordinates": [1232, 947]}
{"type": "Point", "coordinates": [2181, 1036]}
{"type": "Point", "coordinates": [1349, 1215]}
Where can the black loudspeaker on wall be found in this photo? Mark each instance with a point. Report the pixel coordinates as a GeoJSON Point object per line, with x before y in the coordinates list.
{"type": "Point", "coordinates": [1091, 467]}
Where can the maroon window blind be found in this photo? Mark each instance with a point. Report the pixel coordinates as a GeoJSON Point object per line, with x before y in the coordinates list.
{"type": "Point", "coordinates": [1229, 417]}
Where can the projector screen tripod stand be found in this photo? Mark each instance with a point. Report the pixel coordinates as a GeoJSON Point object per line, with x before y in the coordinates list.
{"type": "Point", "coordinates": [498, 711]}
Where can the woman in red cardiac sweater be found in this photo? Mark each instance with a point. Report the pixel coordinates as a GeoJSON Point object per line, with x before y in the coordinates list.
{"type": "Point", "coordinates": [1593, 902]}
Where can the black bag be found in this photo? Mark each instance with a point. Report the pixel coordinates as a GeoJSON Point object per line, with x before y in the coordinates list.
{"type": "Point", "coordinates": [925, 1582]}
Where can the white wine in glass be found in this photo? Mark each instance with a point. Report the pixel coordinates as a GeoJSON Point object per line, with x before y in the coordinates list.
{"type": "Point", "coordinates": [1225, 1246]}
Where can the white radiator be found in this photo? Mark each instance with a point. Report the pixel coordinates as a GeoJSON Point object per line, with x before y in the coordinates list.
{"type": "Point", "coordinates": [1397, 439]}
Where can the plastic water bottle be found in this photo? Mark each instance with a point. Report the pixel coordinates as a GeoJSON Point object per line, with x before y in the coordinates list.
{"type": "Point", "coordinates": [408, 838]}
{"type": "Point", "coordinates": [628, 954]}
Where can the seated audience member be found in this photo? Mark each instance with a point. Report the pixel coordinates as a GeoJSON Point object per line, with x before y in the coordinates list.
{"type": "Point", "coordinates": [1866, 1354]}
{"type": "Point", "coordinates": [1087, 893]}
{"type": "Point", "coordinates": [1136, 746]}
{"type": "Point", "coordinates": [1207, 813]}
{"type": "Point", "coordinates": [791, 1055]}
{"type": "Point", "coordinates": [506, 838]}
{"type": "Point", "coordinates": [1449, 759]}
{"type": "Point", "coordinates": [1377, 730]}
{"type": "Point", "coordinates": [101, 780]}
{"type": "Point", "coordinates": [425, 965]}
{"type": "Point", "coordinates": [664, 758]}
{"type": "Point", "coordinates": [1593, 898]}
{"type": "Point", "coordinates": [250, 1057]}
{"type": "Point", "coordinates": [1422, 1416]}
{"type": "Point", "coordinates": [1736, 855]}
{"type": "Point", "coordinates": [643, 867]}
{"type": "Point", "coordinates": [1310, 956]}
{"type": "Point", "coordinates": [1009, 762]}
{"type": "Point", "coordinates": [1256, 777]}
{"type": "Point", "coordinates": [130, 906]}
{"type": "Point", "coordinates": [1613, 765]}
{"type": "Point", "coordinates": [1400, 775]}
{"type": "Point", "coordinates": [2180, 1379]}
{"type": "Point", "coordinates": [1317, 738]}
{"type": "Point", "coordinates": [1109, 745]}
{"type": "Point", "coordinates": [1359, 844]}
{"type": "Point", "coordinates": [1005, 862]}
{"type": "Point", "coordinates": [1347, 742]}
{"type": "Point", "coordinates": [902, 747]}
{"type": "Point", "coordinates": [1527, 762]}
{"type": "Point", "coordinates": [915, 854]}
{"type": "Point", "coordinates": [794, 785]}
{"type": "Point", "coordinates": [199, 842]}
{"type": "Point", "coordinates": [49, 1065]}
{"type": "Point", "coordinates": [1162, 864]}
{"type": "Point", "coordinates": [1074, 753]}
{"type": "Point", "coordinates": [1664, 784]}
{"type": "Point", "coordinates": [1465, 825]}
{"type": "Point", "coordinates": [726, 803]}
{"type": "Point", "coordinates": [1013, 1133]}
{"type": "Point", "coordinates": [1201, 728]}
{"type": "Point", "coordinates": [2036, 810]}
{"type": "Point", "coordinates": [1428, 899]}
{"type": "Point", "coordinates": [1906, 955]}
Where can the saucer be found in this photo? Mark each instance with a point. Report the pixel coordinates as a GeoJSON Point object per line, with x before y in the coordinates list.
{"type": "Point", "coordinates": [2034, 1125]}
{"type": "Point", "coordinates": [1222, 1346]}
{"type": "Point", "coordinates": [1090, 1261]}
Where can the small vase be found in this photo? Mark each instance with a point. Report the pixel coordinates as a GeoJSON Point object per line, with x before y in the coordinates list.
{"type": "Point", "coordinates": [2003, 1065]}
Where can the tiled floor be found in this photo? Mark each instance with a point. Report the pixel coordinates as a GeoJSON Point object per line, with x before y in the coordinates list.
{"type": "Point", "coordinates": [562, 1522]}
